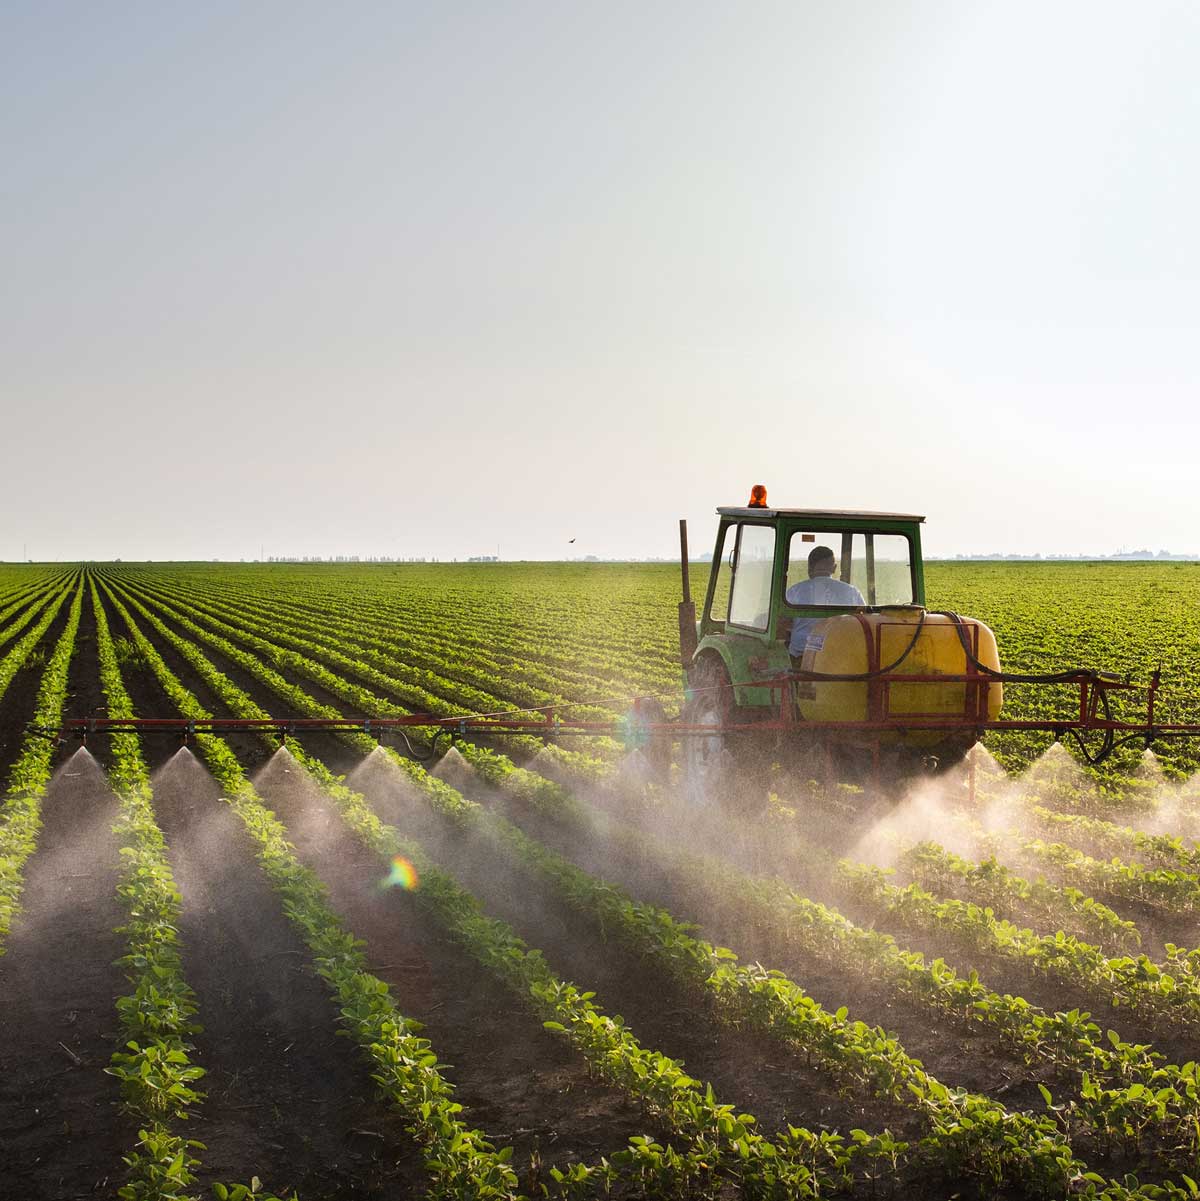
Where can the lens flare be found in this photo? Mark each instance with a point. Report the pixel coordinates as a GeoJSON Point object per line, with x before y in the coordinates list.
{"type": "Point", "coordinates": [403, 875]}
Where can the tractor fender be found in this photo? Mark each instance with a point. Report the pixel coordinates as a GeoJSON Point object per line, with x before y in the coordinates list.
{"type": "Point", "coordinates": [711, 648]}
{"type": "Point", "coordinates": [745, 659]}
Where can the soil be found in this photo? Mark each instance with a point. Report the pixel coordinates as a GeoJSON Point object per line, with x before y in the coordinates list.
{"type": "Point", "coordinates": [60, 1122]}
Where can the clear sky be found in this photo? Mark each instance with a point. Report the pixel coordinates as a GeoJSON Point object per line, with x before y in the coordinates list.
{"type": "Point", "coordinates": [444, 278]}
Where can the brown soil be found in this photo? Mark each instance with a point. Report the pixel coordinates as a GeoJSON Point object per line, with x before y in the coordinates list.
{"type": "Point", "coordinates": [60, 1125]}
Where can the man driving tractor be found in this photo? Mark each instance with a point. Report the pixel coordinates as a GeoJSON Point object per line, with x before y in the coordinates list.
{"type": "Point", "coordinates": [819, 589]}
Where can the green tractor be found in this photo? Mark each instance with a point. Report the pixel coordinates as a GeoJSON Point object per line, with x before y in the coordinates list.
{"type": "Point", "coordinates": [814, 639]}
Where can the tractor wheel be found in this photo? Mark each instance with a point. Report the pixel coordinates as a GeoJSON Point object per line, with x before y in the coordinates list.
{"type": "Point", "coordinates": [708, 761]}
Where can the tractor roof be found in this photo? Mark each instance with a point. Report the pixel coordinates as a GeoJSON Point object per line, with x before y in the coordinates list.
{"type": "Point", "coordinates": [817, 514]}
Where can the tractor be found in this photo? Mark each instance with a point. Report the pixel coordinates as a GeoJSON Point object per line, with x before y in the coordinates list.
{"type": "Point", "coordinates": [814, 639]}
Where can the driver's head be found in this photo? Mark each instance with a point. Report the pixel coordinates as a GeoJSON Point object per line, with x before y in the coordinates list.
{"type": "Point", "coordinates": [821, 561]}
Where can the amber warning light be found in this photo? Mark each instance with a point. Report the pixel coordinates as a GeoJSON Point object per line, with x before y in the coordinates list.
{"type": "Point", "coordinates": [758, 497]}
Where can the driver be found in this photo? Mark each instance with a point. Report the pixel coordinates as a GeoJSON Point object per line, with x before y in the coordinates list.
{"type": "Point", "coordinates": [819, 589]}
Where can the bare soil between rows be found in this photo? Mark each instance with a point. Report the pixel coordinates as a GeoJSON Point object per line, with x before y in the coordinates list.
{"type": "Point", "coordinates": [61, 1127]}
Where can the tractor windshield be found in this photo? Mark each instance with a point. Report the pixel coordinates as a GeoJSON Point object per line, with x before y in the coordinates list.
{"type": "Point", "coordinates": [840, 569]}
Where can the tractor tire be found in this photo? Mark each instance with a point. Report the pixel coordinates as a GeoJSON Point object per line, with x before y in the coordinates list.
{"type": "Point", "coordinates": [708, 762]}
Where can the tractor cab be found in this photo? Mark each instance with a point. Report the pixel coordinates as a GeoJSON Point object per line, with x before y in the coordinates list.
{"type": "Point", "coordinates": [777, 572]}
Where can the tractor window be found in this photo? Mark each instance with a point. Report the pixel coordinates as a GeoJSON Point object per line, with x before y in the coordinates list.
{"type": "Point", "coordinates": [722, 569]}
{"type": "Point", "coordinates": [886, 570]}
{"type": "Point", "coordinates": [750, 605]}
{"type": "Point", "coordinates": [878, 567]}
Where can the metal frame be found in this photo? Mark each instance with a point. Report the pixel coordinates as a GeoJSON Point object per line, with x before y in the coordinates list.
{"type": "Point", "coordinates": [1089, 716]}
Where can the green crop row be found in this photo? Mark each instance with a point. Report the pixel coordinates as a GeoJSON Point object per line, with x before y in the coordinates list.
{"type": "Point", "coordinates": [970, 1136]}
{"type": "Point", "coordinates": [1123, 1085]}
{"type": "Point", "coordinates": [412, 663]}
{"type": "Point", "coordinates": [638, 660]}
{"type": "Point", "coordinates": [424, 689]}
{"type": "Point", "coordinates": [1087, 1086]}
{"type": "Point", "coordinates": [750, 994]}
{"type": "Point", "coordinates": [1072, 1027]}
{"type": "Point", "coordinates": [20, 819]}
{"type": "Point", "coordinates": [510, 680]}
{"type": "Point", "coordinates": [26, 609]}
{"type": "Point", "coordinates": [462, 1163]}
{"type": "Point", "coordinates": [154, 1066]}
{"type": "Point", "coordinates": [1130, 981]}
{"type": "Point", "coordinates": [15, 659]}
{"type": "Point", "coordinates": [493, 766]}
{"type": "Point", "coordinates": [1163, 888]}
{"type": "Point", "coordinates": [1164, 850]}
{"type": "Point", "coordinates": [990, 884]}
{"type": "Point", "coordinates": [619, 619]}
{"type": "Point", "coordinates": [798, 1164]}
{"type": "Point", "coordinates": [713, 1131]}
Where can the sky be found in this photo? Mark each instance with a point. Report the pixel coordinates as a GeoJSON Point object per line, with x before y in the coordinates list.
{"type": "Point", "coordinates": [457, 279]}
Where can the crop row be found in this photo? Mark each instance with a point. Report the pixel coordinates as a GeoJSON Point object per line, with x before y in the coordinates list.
{"type": "Point", "coordinates": [712, 1131]}
{"type": "Point", "coordinates": [1169, 889]}
{"type": "Point", "coordinates": [154, 1065]}
{"type": "Point", "coordinates": [439, 658]}
{"type": "Point", "coordinates": [423, 689]}
{"type": "Point", "coordinates": [20, 820]}
{"type": "Point", "coordinates": [499, 663]}
{"type": "Point", "coordinates": [1124, 1086]}
{"type": "Point", "coordinates": [560, 620]}
{"type": "Point", "coordinates": [990, 884]}
{"type": "Point", "coordinates": [1099, 913]}
{"type": "Point", "coordinates": [26, 608]}
{"type": "Point", "coordinates": [1052, 1029]}
{"type": "Point", "coordinates": [287, 664]}
{"type": "Point", "coordinates": [298, 656]}
{"type": "Point", "coordinates": [623, 615]}
{"type": "Point", "coordinates": [404, 1066]}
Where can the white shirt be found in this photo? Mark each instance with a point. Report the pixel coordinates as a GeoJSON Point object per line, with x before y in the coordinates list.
{"type": "Point", "coordinates": [817, 590]}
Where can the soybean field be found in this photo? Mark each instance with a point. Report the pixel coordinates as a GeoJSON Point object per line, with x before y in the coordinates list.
{"type": "Point", "coordinates": [339, 966]}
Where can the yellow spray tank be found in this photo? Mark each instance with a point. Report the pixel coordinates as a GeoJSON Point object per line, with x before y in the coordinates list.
{"type": "Point", "coordinates": [896, 642]}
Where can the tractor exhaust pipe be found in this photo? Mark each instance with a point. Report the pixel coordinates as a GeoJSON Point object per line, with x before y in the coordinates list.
{"type": "Point", "coordinates": [687, 610]}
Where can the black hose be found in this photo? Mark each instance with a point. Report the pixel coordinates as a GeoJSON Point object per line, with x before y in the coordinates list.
{"type": "Point", "coordinates": [1074, 676]}
{"type": "Point", "coordinates": [1108, 744]}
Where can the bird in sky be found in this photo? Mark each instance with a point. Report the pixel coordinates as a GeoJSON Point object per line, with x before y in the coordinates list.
{"type": "Point", "coordinates": [572, 539]}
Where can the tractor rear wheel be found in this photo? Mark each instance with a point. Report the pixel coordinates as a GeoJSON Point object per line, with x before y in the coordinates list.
{"type": "Point", "coordinates": [707, 759]}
